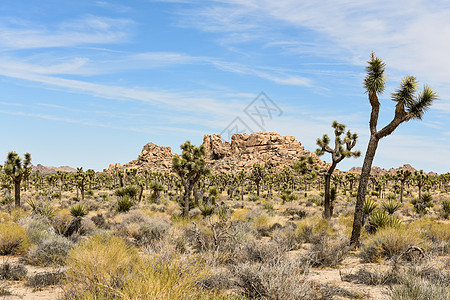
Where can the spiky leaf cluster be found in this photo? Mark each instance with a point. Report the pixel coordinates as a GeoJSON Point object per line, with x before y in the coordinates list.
{"type": "Point", "coordinates": [375, 79]}
{"type": "Point", "coordinates": [343, 146]}
{"type": "Point", "coordinates": [14, 166]}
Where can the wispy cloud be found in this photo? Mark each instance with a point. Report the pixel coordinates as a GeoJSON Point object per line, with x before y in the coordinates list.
{"type": "Point", "coordinates": [83, 31]}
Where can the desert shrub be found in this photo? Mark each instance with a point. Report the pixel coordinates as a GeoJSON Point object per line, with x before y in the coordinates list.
{"type": "Point", "coordinates": [206, 209]}
{"type": "Point", "coordinates": [12, 271]}
{"type": "Point", "coordinates": [288, 196]}
{"type": "Point", "coordinates": [13, 239]}
{"type": "Point", "coordinates": [380, 219]}
{"type": "Point", "coordinates": [391, 206]}
{"type": "Point", "coordinates": [280, 279]}
{"type": "Point", "coordinates": [423, 204]}
{"type": "Point", "coordinates": [44, 209]}
{"type": "Point", "coordinates": [43, 279]}
{"type": "Point", "coordinates": [105, 267]}
{"type": "Point", "coordinates": [144, 229]}
{"type": "Point", "coordinates": [389, 242]}
{"type": "Point", "coordinates": [100, 264]}
{"type": "Point", "coordinates": [259, 251]}
{"type": "Point", "coordinates": [60, 222]}
{"type": "Point", "coordinates": [253, 198]}
{"type": "Point", "coordinates": [38, 229]}
{"type": "Point", "coordinates": [373, 277]}
{"type": "Point", "coordinates": [268, 206]}
{"type": "Point", "coordinates": [130, 191]}
{"type": "Point", "coordinates": [390, 196]}
{"type": "Point", "coordinates": [317, 200]}
{"type": "Point", "coordinates": [124, 204]}
{"type": "Point", "coordinates": [327, 252]}
{"type": "Point", "coordinates": [8, 199]}
{"type": "Point", "coordinates": [286, 238]}
{"type": "Point", "coordinates": [78, 210]}
{"type": "Point", "coordinates": [412, 287]}
{"type": "Point", "coordinates": [50, 252]}
{"type": "Point", "coordinates": [445, 208]}
{"type": "Point", "coordinates": [312, 229]}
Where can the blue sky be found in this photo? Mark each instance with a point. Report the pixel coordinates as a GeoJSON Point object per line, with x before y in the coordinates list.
{"type": "Point", "coordinates": [88, 83]}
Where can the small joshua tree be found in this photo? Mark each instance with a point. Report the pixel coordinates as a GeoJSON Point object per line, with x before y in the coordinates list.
{"type": "Point", "coordinates": [190, 167]}
{"type": "Point", "coordinates": [402, 176]}
{"type": "Point", "coordinates": [16, 169]}
{"type": "Point", "coordinates": [342, 149]}
{"type": "Point", "coordinates": [257, 175]}
{"type": "Point", "coordinates": [408, 106]}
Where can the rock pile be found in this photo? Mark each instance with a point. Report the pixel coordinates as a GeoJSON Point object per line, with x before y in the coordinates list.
{"type": "Point", "coordinates": [268, 149]}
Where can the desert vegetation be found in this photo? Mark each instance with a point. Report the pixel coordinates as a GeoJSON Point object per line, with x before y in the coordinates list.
{"type": "Point", "coordinates": [248, 233]}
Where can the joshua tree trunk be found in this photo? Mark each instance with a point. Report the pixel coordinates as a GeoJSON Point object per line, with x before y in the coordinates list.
{"type": "Point", "coordinates": [362, 188]}
{"type": "Point", "coordinates": [328, 212]}
{"type": "Point", "coordinates": [402, 186]}
{"type": "Point", "coordinates": [17, 193]}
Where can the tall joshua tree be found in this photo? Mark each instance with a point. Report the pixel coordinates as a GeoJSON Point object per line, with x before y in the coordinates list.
{"type": "Point", "coordinates": [16, 169]}
{"type": "Point", "coordinates": [190, 167]}
{"type": "Point", "coordinates": [337, 155]}
{"type": "Point", "coordinates": [257, 175]}
{"type": "Point", "coordinates": [402, 176]}
{"type": "Point", "coordinates": [409, 105]}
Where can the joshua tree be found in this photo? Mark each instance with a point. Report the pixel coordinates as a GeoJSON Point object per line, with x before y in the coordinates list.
{"type": "Point", "coordinates": [408, 106]}
{"type": "Point", "coordinates": [304, 168]}
{"type": "Point", "coordinates": [350, 177]}
{"type": "Point", "coordinates": [16, 168]}
{"type": "Point", "coordinates": [80, 181]}
{"type": "Point", "coordinates": [402, 176]}
{"type": "Point", "coordinates": [257, 175]}
{"type": "Point", "coordinates": [190, 167]}
{"type": "Point", "coordinates": [420, 179]}
{"type": "Point", "coordinates": [337, 155]}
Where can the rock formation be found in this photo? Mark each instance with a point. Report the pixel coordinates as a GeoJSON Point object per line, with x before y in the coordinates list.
{"type": "Point", "coordinates": [268, 149]}
{"type": "Point", "coordinates": [153, 157]}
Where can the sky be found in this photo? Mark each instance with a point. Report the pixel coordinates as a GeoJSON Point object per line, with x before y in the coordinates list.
{"type": "Point", "coordinates": [88, 83]}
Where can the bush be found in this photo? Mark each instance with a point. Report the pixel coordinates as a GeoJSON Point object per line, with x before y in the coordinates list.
{"type": "Point", "coordinates": [43, 279]}
{"type": "Point", "coordinates": [13, 239]}
{"type": "Point", "coordinates": [50, 252]}
{"type": "Point", "coordinates": [379, 219]}
{"type": "Point", "coordinates": [391, 206]}
{"type": "Point", "coordinates": [12, 272]}
{"type": "Point", "coordinates": [100, 263]}
{"type": "Point", "coordinates": [412, 287]}
{"type": "Point", "coordinates": [327, 252]}
{"type": "Point", "coordinates": [8, 199]}
{"type": "Point", "coordinates": [105, 267]}
{"type": "Point", "coordinates": [445, 208]}
{"type": "Point", "coordinates": [78, 210]}
{"type": "Point", "coordinates": [280, 279]}
{"type": "Point", "coordinates": [124, 204]}
{"type": "Point", "coordinates": [128, 191]}
{"type": "Point", "coordinates": [38, 229]}
{"type": "Point", "coordinates": [423, 204]}
{"type": "Point", "coordinates": [387, 243]}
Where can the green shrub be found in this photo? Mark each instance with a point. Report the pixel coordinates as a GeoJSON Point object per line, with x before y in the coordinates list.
{"type": "Point", "coordinates": [9, 199]}
{"type": "Point", "coordinates": [78, 210]}
{"type": "Point", "coordinates": [423, 204]}
{"type": "Point", "coordinates": [445, 208]}
{"type": "Point", "coordinates": [391, 206]}
{"type": "Point", "coordinates": [380, 219]}
{"type": "Point", "coordinates": [389, 242]}
{"type": "Point", "coordinates": [124, 204]}
{"type": "Point", "coordinates": [130, 191]}
{"type": "Point", "coordinates": [50, 252]}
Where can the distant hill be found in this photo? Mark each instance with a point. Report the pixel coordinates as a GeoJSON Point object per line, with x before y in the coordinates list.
{"type": "Point", "coordinates": [51, 170]}
{"type": "Point", "coordinates": [380, 171]}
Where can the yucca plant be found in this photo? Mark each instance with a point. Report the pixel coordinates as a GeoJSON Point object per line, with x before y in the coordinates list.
{"type": "Point", "coordinates": [423, 203]}
{"type": "Point", "coordinates": [380, 219]}
{"type": "Point", "coordinates": [206, 209]}
{"type": "Point", "coordinates": [445, 208]}
{"type": "Point", "coordinates": [78, 210]}
{"type": "Point", "coordinates": [47, 210]}
{"type": "Point", "coordinates": [124, 204]}
{"type": "Point", "coordinates": [368, 208]}
{"type": "Point", "coordinates": [391, 206]}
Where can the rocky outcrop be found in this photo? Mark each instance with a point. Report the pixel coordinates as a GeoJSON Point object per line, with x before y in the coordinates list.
{"type": "Point", "coordinates": [269, 149]}
{"type": "Point", "coordinates": [153, 157]}
{"type": "Point", "coordinates": [266, 148]}
{"type": "Point", "coordinates": [51, 170]}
